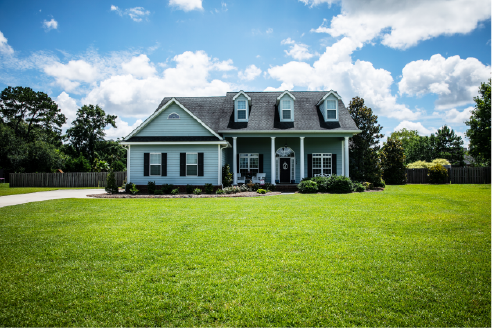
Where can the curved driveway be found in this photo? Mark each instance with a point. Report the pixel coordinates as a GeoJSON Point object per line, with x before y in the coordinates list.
{"type": "Point", "coordinates": [47, 195]}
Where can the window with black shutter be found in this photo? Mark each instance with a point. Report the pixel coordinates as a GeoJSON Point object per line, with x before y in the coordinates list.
{"type": "Point", "coordinates": [146, 164]}
{"type": "Point", "coordinates": [310, 166]}
{"type": "Point", "coordinates": [164, 164]}
{"type": "Point", "coordinates": [182, 164]}
{"type": "Point", "coordinates": [200, 164]}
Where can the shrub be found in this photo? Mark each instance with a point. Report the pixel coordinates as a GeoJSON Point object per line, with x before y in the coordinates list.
{"type": "Point", "coordinates": [219, 192]}
{"type": "Point", "coordinates": [189, 189]}
{"type": "Point", "coordinates": [243, 188]}
{"type": "Point", "coordinates": [392, 162]}
{"type": "Point", "coordinates": [379, 184]}
{"type": "Point", "coordinates": [419, 165]}
{"type": "Point", "coordinates": [175, 191]}
{"type": "Point", "coordinates": [231, 190]}
{"type": "Point", "coordinates": [307, 186]}
{"type": "Point", "coordinates": [128, 186]}
{"type": "Point", "coordinates": [134, 189]}
{"type": "Point", "coordinates": [322, 183]}
{"type": "Point", "coordinates": [255, 187]}
{"type": "Point", "coordinates": [158, 192]}
{"type": "Point", "coordinates": [209, 188]}
{"type": "Point", "coordinates": [226, 176]}
{"type": "Point", "coordinates": [367, 185]}
{"type": "Point", "coordinates": [339, 184]}
{"type": "Point", "coordinates": [441, 161]}
{"type": "Point", "coordinates": [167, 188]}
{"type": "Point", "coordinates": [197, 191]}
{"type": "Point", "coordinates": [261, 191]}
{"type": "Point", "coordinates": [111, 187]}
{"type": "Point", "coordinates": [438, 174]}
{"type": "Point", "coordinates": [151, 187]}
{"type": "Point", "coordinates": [269, 186]}
{"type": "Point", "coordinates": [358, 187]}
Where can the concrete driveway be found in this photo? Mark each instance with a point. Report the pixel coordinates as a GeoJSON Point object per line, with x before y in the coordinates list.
{"type": "Point", "coordinates": [47, 195]}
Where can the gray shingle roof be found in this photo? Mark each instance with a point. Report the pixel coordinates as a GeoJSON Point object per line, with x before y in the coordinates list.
{"type": "Point", "coordinates": [218, 112]}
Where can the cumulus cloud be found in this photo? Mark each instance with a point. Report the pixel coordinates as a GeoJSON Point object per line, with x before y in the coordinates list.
{"type": "Point", "coordinates": [122, 129]}
{"type": "Point", "coordinates": [4, 47]}
{"type": "Point", "coordinates": [250, 73]}
{"type": "Point", "coordinates": [50, 25]}
{"type": "Point", "coordinates": [297, 51]}
{"type": "Point", "coordinates": [136, 13]}
{"type": "Point", "coordinates": [423, 131]}
{"type": "Point", "coordinates": [187, 5]}
{"type": "Point", "coordinates": [454, 80]}
{"type": "Point", "coordinates": [457, 117]}
{"type": "Point", "coordinates": [69, 76]}
{"type": "Point", "coordinates": [139, 67]}
{"type": "Point", "coordinates": [402, 24]}
{"type": "Point", "coordinates": [68, 107]}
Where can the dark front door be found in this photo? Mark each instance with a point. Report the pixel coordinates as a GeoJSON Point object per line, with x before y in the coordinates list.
{"type": "Point", "coordinates": [285, 170]}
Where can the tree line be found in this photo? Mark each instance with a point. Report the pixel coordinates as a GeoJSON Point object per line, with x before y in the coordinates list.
{"type": "Point", "coordinates": [31, 138]}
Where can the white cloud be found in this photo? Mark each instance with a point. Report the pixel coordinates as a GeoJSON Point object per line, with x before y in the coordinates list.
{"type": "Point", "coordinates": [136, 13]}
{"type": "Point", "coordinates": [250, 73]}
{"type": "Point", "coordinates": [69, 76]}
{"type": "Point", "coordinates": [403, 24]}
{"type": "Point", "coordinates": [122, 129]}
{"type": "Point", "coordinates": [335, 70]}
{"type": "Point", "coordinates": [225, 65]}
{"type": "Point", "coordinates": [284, 86]}
{"type": "Point", "coordinates": [454, 80]}
{"type": "Point", "coordinates": [187, 5]}
{"type": "Point", "coordinates": [415, 126]}
{"type": "Point", "coordinates": [297, 51]}
{"type": "Point", "coordinates": [457, 117]}
{"type": "Point", "coordinates": [269, 31]}
{"type": "Point", "coordinates": [50, 25]}
{"type": "Point", "coordinates": [4, 47]}
{"type": "Point", "coordinates": [313, 3]}
{"type": "Point", "coordinates": [68, 107]}
{"type": "Point", "coordinates": [139, 67]}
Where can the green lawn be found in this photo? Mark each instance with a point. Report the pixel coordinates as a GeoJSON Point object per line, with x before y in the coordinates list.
{"type": "Point", "coordinates": [5, 190]}
{"type": "Point", "coordinates": [416, 255]}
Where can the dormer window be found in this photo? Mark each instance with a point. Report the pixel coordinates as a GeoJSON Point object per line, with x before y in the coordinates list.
{"type": "Point", "coordinates": [331, 109]}
{"type": "Point", "coordinates": [242, 103]}
{"type": "Point", "coordinates": [285, 106]}
{"type": "Point", "coordinates": [328, 106]}
{"type": "Point", "coordinates": [241, 109]}
{"type": "Point", "coordinates": [286, 110]}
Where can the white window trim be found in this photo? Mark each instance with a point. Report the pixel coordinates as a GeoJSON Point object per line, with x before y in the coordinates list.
{"type": "Point", "coordinates": [150, 165]}
{"type": "Point", "coordinates": [292, 168]}
{"type": "Point", "coordinates": [236, 110]}
{"type": "Point", "coordinates": [325, 105]}
{"type": "Point", "coordinates": [322, 169]}
{"type": "Point", "coordinates": [249, 168]}
{"type": "Point", "coordinates": [194, 175]}
{"type": "Point", "coordinates": [291, 109]}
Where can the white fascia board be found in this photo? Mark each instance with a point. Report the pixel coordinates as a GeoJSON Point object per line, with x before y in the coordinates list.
{"type": "Point", "coordinates": [291, 131]}
{"type": "Point", "coordinates": [242, 93]}
{"type": "Point", "coordinates": [222, 142]}
{"type": "Point", "coordinates": [163, 108]}
{"type": "Point", "coordinates": [283, 94]}
{"type": "Point", "coordinates": [331, 92]}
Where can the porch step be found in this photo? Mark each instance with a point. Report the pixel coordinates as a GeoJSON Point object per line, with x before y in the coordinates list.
{"type": "Point", "coordinates": [286, 187]}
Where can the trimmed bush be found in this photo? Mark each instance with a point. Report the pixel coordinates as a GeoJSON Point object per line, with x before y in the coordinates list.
{"type": "Point", "coordinates": [358, 187]}
{"type": "Point", "coordinates": [322, 183]}
{"type": "Point", "coordinates": [111, 187]}
{"type": "Point", "coordinates": [151, 187]}
{"type": "Point", "coordinates": [339, 184]}
{"type": "Point", "coordinates": [197, 191]}
{"type": "Point", "coordinates": [175, 191]}
{"type": "Point", "coordinates": [261, 191]}
{"type": "Point", "coordinates": [219, 192]}
{"type": "Point", "coordinates": [209, 188]}
{"type": "Point", "coordinates": [128, 187]}
{"type": "Point", "coordinates": [307, 186]}
{"type": "Point", "coordinates": [438, 174]}
{"type": "Point", "coordinates": [393, 162]}
{"type": "Point", "coordinates": [269, 186]}
{"type": "Point", "coordinates": [167, 188]}
{"type": "Point", "coordinates": [189, 189]}
{"type": "Point", "coordinates": [158, 192]}
{"type": "Point", "coordinates": [441, 161]}
{"type": "Point", "coordinates": [379, 184]}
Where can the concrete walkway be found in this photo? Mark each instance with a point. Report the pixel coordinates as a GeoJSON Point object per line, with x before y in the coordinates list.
{"type": "Point", "coordinates": [47, 195]}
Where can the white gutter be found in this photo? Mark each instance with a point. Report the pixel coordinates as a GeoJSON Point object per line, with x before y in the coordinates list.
{"type": "Point", "coordinates": [290, 131]}
{"type": "Point", "coordinates": [222, 142]}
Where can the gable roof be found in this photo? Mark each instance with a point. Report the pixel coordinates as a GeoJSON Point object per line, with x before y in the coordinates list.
{"type": "Point", "coordinates": [331, 92]}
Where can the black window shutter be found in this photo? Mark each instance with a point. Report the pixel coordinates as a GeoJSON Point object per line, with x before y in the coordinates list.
{"type": "Point", "coordinates": [261, 164]}
{"type": "Point", "coordinates": [200, 164]}
{"type": "Point", "coordinates": [237, 162]}
{"type": "Point", "coordinates": [164, 164]}
{"type": "Point", "coordinates": [334, 164]}
{"type": "Point", "coordinates": [310, 166]}
{"type": "Point", "coordinates": [146, 164]}
{"type": "Point", "coordinates": [182, 164]}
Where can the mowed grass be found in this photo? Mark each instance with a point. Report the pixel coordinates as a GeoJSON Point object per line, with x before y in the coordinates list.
{"type": "Point", "coordinates": [415, 255]}
{"type": "Point", "coordinates": [5, 190]}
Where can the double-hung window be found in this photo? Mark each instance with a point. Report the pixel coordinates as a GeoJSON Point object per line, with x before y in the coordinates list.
{"type": "Point", "coordinates": [155, 164]}
{"type": "Point", "coordinates": [286, 110]}
{"type": "Point", "coordinates": [191, 164]}
{"type": "Point", "coordinates": [331, 110]}
{"type": "Point", "coordinates": [321, 164]}
{"type": "Point", "coordinates": [249, 163]}
{"type": "Point", "coordinates": [241, 109]}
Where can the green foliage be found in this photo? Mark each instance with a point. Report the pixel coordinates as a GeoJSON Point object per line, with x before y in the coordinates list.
{"type": "Point", "coordinates": [322, 183]}
{"type": "Point", "coordinates": [269, 186]}
{"type": "Point", "coordinates": [438, 174]}
{"type": "Point", "coordinates": [448, 145]}
{"type": "Point", "coordinates": [158, 192]}
{"type": "Point", "coordinates": [243, 188]}
{"type": "Point", "coordinates": [189, 189]}
{"type": "Point", "coordinates": [220, 192]}
{"type": "Point", "coordinates": [209, 188]}
{"type": "Point", "coordinates": [151, 187]}
{"type": "Point", "coordinates": [77, 164]}
{"type": "Point", "coordinates": [197, 191]}
{"type": "Point", "coordinates": [426, 165]}
{"type": "Point", "coordinates": [441, 161]}
{"type": "Point", "coordinates": [134, 189]}
{"type": "Point", "coordinates": [367, 185]}
{"type": "Point", "coordinates": [364, 147]}
{"type": "Point", "coordinates": [128, 187]}
{"type": "Point", "coordinates": [167, 188]}
{"type": "Point", "coordinates": [226, 176]}
{"type": "Point", "coordinates": [261, 191]}
{"type": "Point", "coordinates": [111, 186]}
{"type": "Point", "coordinates": [393, 162]}
{"type": "Point", "coordinates": [231, 190]}
{"type": "Point", "coordinates": [175, 191]}
{"type": "Point", "coordinates": [358, 187]}
{"type": "Point", "coordinates": [479, 123]}
{"type": "Point", "coordinates": [255, 187]}
{"type": "Point", "coordinates": [415, 147]}
{"type": "Point", "coordinates": [307, 186]}
{"type": "Point", "coordinates": [379, 184]}
{"type": "Point", "coordinates": [339, 184]}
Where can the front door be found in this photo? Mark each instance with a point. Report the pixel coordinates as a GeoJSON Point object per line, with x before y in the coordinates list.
{"type": "Point", "coordinates": [285, 170]}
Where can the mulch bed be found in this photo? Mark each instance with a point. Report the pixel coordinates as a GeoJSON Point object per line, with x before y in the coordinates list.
{"type": "Point", "coordinates": [239, 194]}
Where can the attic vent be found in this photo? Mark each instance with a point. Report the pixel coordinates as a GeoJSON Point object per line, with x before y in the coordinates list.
{"type": "Point", "coordinates": [173, 116]}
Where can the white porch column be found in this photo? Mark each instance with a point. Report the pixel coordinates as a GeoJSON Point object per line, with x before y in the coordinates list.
{"type": "Point", "coordinates": [346, 144]}
{"type": "Point", "coordinates": [128, 165]}
{"type": "Point", "coordinates": [273, 161]}
{"type": "Point", "coordinates": [234, 160]}
{"type": "Point", "coordinates": [302, 158]}
{"type": "Point", "coordinates": [219, 156]}
{"type": "Point", "coordinates": [343, 158]}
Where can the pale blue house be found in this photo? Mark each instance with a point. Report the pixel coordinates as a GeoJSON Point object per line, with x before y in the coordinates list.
{"type": "Point", "coordinates": [284, 136]}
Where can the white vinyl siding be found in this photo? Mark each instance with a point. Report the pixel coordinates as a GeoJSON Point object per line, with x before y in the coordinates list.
{"type": "Point", "coordinates": [155, 164]}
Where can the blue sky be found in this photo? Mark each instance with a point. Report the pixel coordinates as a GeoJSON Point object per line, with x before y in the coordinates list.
{"type": "Point", "coordinates": [417, 64]}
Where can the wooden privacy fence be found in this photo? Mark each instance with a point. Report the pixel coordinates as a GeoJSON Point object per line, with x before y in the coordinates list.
{"type": "Point", "coordinates": [456, 175]}
{"type": "Point", "coordinates": [72, 179]}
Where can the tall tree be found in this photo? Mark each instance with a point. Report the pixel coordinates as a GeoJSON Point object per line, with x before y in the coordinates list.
{"type": "Point", "coordinates": [416, 147]}
{"type": "Point", "coordinates": [448, 145]}
{"type": "Point", "coordinates": [393, 162]}
{"type": "Point", "coordinates": [479, 123]}
{"type": "Point", "coordinates": [88, 129]}
{"type": "Point", "coordinates": [364, 147]}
